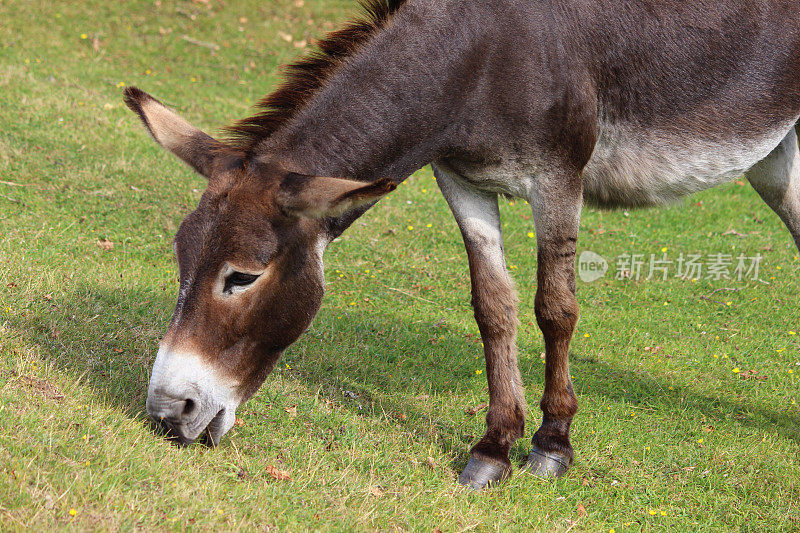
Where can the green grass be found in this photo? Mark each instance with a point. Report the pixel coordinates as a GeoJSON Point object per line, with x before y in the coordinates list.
{"type": "Point", "coordinates": [79, 326]}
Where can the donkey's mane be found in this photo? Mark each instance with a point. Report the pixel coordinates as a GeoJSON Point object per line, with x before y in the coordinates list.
{"type": "Point", "coordinates": [303, 78]}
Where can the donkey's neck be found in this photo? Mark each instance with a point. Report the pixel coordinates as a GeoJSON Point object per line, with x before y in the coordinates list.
{"type": "Point", "coordinates": [391, 108]}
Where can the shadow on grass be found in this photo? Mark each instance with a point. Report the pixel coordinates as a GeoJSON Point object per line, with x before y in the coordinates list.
{"type": "Point", "coordinates": [107, 338]}
{"type": "Point", "coordinates": [104, 338]}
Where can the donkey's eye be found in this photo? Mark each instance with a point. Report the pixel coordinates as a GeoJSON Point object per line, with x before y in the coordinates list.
{"type": "Point", "coordinates": [238, 279]}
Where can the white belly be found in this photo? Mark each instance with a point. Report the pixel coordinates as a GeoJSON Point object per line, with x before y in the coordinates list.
{"type": "Point", "coordinates": [631, 167]}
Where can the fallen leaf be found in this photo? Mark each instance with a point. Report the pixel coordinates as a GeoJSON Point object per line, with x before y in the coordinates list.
{"type": "Point", "coordinates": [472, 411]}
{"type": "Point", "coordinates": [375, 491]}
{"type": "Point", "coordinates": [105, 244]}
{"type": "Point", "coordinates": [581, 510]}
{"type": "Point", "coordinates": [291, 410]}
{"type": "Point", "coordinates": [238, 422]}
{"type": "Point", "coordinates": [280, 475]}
{"type": "Point", "coordinates": [752, 374]}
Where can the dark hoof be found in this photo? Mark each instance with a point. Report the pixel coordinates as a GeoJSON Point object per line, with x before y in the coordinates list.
{"type": "Point", "coordinates": [480, 474]}
{"type": "Point", "coordinates": [546, 464]}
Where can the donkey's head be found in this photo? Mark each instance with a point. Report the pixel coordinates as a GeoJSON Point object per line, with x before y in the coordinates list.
{"type": "Point", "coordinates": [251, 279]}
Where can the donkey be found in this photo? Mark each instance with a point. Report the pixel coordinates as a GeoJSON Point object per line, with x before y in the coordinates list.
{"type": "Point", "coordinates": [617, 103]}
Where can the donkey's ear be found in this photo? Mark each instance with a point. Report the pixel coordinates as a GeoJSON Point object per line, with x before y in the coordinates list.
{"type": "Point", "coordinates": [317, 197]}
{"type": "Point", "coordinates": [194, 147]}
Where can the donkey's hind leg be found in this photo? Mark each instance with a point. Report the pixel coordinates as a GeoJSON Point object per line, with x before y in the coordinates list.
{"type": "Point", "coordinates": [776, 178]}
{"type": "Point", "coordinates": [495, 303]}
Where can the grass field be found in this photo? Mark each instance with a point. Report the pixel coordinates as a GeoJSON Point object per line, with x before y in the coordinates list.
{"type": "Point", "coordinates": [688, 389]}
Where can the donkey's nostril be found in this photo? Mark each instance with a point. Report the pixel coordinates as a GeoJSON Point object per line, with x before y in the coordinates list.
{"type": "Point", "coordinates": [189, 406]}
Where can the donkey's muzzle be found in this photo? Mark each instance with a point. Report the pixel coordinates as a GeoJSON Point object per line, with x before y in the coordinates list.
{"type": "Point", "coordinates": [187, 400]}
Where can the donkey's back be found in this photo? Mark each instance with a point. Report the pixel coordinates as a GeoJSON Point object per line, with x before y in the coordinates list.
{"type": "Point", "coordinates": [674, 97]}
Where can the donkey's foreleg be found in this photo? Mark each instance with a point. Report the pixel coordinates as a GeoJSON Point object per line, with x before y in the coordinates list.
{"type": "Point", "coordinates": [495, 303]}
{"type": "Point", "coordinates": [776, 178]}
{"type": "Point", "coordinates": [556, 212]}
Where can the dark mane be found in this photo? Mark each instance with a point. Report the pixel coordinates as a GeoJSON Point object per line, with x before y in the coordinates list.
{"type": "Point", "coordinates": [303, 78]}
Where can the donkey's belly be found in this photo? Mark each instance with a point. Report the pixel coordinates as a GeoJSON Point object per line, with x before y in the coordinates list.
{"type": "Point", "coordinates": [632, 168]}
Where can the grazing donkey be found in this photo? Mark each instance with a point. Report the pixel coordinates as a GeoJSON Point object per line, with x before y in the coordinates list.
{"type": "Point", "coordinates": [619, 103]}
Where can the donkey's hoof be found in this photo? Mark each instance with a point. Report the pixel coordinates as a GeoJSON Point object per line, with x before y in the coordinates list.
{"type": "Point", "coordinates": [546, 464]}
{"type": "Point", "coordinates": [480, 474]}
